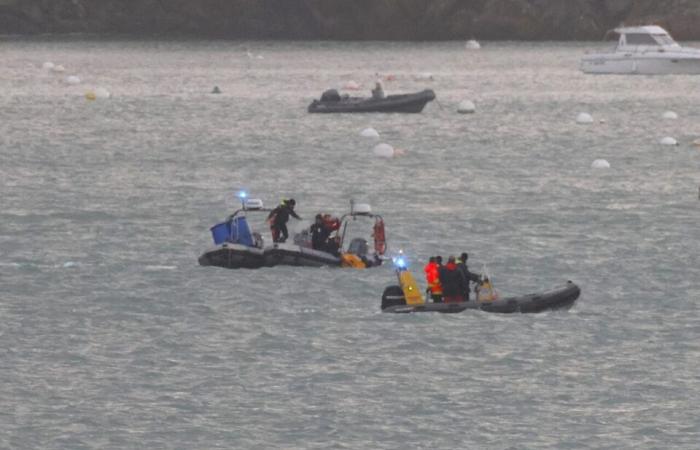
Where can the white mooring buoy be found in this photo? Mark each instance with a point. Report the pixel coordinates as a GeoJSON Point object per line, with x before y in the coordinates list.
{"type": "Point", "coordinates": [584, 118]}
{"type": "Point", "coordinates": [668, 141]}
{"type": "Point", "coordinates": [383, 150]}
{"type": "Point", "coordinates": [466, 107]}
{"type": "Point", "coordinates": [670, 115]}
{"type": "Point", "coordinates": [369, 133]}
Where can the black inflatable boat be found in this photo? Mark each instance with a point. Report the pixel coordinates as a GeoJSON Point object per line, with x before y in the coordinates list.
{"type": "Point", "coordinates": [238, 247]}
{"type": "Point", "coordinates": [404, 103]}
{"type": "Point", "coordinates": [406, 297]}
{"type": "Point", "coordinates": [562, 297]}
{"type": "Point", "coordinates": [236, 256]}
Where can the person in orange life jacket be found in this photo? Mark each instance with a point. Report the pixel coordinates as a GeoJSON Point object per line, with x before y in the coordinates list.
{"type": "Point", "coordinates": [453, 282]}
{"type": "Point", "coordinates": [432, 277]}
{"type": "Point", "coordinates": [278, 219]}
{"type": "Point", "coordinates": [438, 261]}
{"type": "Point", "coordinates": [468, 276]}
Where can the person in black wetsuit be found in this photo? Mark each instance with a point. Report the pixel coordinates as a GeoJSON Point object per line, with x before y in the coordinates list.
{"type": "Point", "coordinates": [278, 219]}
{"type": "Point", "coordinates": [466, 274]}
{"type": "Point", "coordinates": [319, 234]}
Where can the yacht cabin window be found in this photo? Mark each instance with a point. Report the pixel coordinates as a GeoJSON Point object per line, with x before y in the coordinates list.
{"type": "Point", "coordinates": [640, 39]}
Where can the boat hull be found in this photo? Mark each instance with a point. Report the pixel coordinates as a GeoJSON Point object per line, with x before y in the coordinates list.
{"type": "Point", "coordinates": [640, 65]}
{"type": "Point", "coordinates": [562, 297]}
{"type": "Point", "coordinates": [233, 256]}
{"type": "Point", "coordinates": [406, 103]}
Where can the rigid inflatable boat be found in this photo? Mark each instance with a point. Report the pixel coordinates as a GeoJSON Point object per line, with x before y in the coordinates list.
{"type": "Point", "coordinates": [332, 102]}
{"type": "Point", "coordinates": [238, 247]}
{"type": "Point", "coordinates": [406, 297]}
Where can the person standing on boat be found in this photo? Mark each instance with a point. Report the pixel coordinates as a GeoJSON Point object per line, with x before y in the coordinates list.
{"type": "Point", "coordinates": [278, 219]}
{"type": "Point", "coordinates": [378, 91]}
{"type": "Point", "coordinates": [453, 282]}
{"type": "Point", "coordinates": [466, 274]}
{"type": "Point", "coordinates": [433, 279]}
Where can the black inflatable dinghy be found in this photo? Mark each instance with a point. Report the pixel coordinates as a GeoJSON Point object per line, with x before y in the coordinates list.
{"type": "Point", "coordinates": [403, 103]}
{"type": "Point", "coordinates": [562, 297]}
{"type": "Point", "coordinates": [407, 297]}
{"type": "Point", "coordinates": [238, 247]}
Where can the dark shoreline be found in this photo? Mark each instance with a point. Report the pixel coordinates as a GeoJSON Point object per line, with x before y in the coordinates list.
{"type": "Point", "coordinates": [347, 20]}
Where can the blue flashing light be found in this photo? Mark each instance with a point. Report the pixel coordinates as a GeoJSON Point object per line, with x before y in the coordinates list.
{"type": "Point", "coordinates": [400, 262]}
{"type": "Point", "coordinates": [242, 195]}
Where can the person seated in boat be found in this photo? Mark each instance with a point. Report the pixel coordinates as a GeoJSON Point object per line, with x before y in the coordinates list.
{"type": "Point", "coordinates": [378, 91]}
{"type": "Point", "coordinates": [431, 276]}
{"type": "Point", "coordinates": [324, 225]}
{"type": "Point", "coordinates": [333, 246]}
{"type": "Point", "coordinates": [319, 234]}
{"type": "Point", "coordinates": [278, 218]}
{"type": "Point", "coordinates": [466, 274]}
{"type": "Point", "coordinates": [453, 282]}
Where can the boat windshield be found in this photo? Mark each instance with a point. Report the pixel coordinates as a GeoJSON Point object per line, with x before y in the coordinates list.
{"type": "Point", "coordinates": [664, 39]}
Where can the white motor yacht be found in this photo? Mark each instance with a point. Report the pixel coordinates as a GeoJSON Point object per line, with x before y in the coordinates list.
{"type": "Point", "coordinates": [647, 50]}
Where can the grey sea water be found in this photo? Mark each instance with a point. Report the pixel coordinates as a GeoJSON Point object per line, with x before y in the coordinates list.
{"type": "Point", "coordinates": [113, 337]}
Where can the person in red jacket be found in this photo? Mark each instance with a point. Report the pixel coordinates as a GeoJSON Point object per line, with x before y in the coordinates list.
{"type": "Point", "coordinates": [453, 282]}
{"type": "Point", "coordinates": [433, 278]}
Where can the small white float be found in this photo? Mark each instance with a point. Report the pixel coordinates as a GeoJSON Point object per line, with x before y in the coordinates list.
{"type": "Point", "coordinates": [369, 133]}
{"type": "Point", "coordinates": [472, 44]}
{"type": "Point", "coordinates": [584, 118]}
{"type": "Point", "coordinates": [383, 150]}
{"type": "Point", "coordinates": [466, 107]}
{"type": "Point", "coordinates": [73, 79]}
{"type": "Point", "coordinates": [670, 115]}
{"type": "Point", "coordinates": [600, 164]}
{"type": "Point", "coordinates": [668, 141]}
{"type": "Point", "coordinates": [48, 65]}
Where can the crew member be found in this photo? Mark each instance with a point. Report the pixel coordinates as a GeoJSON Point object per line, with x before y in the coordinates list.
{"type": "Point", "coordinates": [453, 282]}
{"type": "Point", "coordinates": [278, 218]}
{"type": "Point", "coordinates": [378, 91]}
{"type": "Point", "coordinates": [432, 277]}
{"type": "Point", "coordinates": [319, 234]}
{"type": "Point", "coordinates": [466, 274]}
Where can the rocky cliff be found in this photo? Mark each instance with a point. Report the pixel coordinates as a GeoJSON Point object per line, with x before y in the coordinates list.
{"type": "Point", "coordinates": [350, 19]}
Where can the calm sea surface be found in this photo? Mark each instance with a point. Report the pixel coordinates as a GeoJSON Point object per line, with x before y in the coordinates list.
{"type": "Point", "coordinates": [112, 336]}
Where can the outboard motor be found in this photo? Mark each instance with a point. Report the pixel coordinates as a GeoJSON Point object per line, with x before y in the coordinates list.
{"type": "Point", "coordinates": [331, 95]}
{"type": "Point", "coordinates": [393, 296]}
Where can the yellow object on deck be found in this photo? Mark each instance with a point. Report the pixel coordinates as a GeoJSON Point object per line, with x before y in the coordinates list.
{"type": "Point", "coordinates": [350, 260]}
{"type": "Point", "coordinates": [90, 95]}
{"type": "Point", "coordinates": [411, 291]}
{"type": "Point", "coordinates": [486, 292]}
